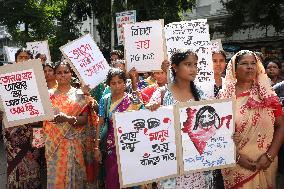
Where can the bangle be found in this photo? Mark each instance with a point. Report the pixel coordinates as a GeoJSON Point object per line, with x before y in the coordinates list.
{"type": "Point", "coordinates": [96, 148]}
{"type": "Point", "coordinates": [270, 158]}
{"type": "Point", "coordinates": [75, 122]}
{"type": "Point", "coordinates": [238, 158]}
{"type": "Point", "coordinates": [98, 139]}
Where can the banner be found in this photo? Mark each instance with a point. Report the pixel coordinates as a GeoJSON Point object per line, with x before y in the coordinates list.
{"type": "Point", "coordinates": [126, 17]}
{"type": "Point", "coordinates": [24, 94]}
{"type": "Point", "coordinates": [10, 53]}
{"type": "Point", "coordinates": [193, 35]}
{"type": "Point", "coordinates": [87, 60]}
{"type": "Point", "coordinates": [206, 129]}
{"type": "Point", "coordinates": [39, 47]}
{"type": "Point", "coordinates": [146, 142]}
{"type": "Point", "coordinates": [144, 45]}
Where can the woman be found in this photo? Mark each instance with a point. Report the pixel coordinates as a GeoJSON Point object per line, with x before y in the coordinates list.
{"type": "Point", "coordinates": [49, 74]}
{"type": "Point", "coordinates": [116, 101]}
{"type": "Point", "coordinates": [219, 64]}
{"type": "Point", "coordinates": [259, 129]}
{"type": "Point", "coordinates": [273, 71]}
{"type": "Point", "coordinates": [23, 169]}
{"type": "Point", "coordinates": [183, 89]}
{"type": "Point", "coordinates": [66, 134]}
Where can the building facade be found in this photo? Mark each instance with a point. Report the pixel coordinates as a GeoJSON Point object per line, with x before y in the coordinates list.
{"type": "Point", "coordinates": [265, 40]}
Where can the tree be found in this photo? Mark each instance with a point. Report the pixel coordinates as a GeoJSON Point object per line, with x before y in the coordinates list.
{"type": "Point", "coordinates": [246, 13]}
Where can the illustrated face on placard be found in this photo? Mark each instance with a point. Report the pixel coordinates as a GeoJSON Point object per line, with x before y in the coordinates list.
{"type": "Point", "coordinates": [206, 118]}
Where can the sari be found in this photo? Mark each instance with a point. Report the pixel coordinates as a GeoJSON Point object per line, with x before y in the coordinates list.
{"type": "Point", "coordinates": [23, 170]}
{"type": "Point", "coordinates": [66, 145]}
{"type": "Point", "coordinates": [106, 110]}
{"type": "Point", "coordinates": [255, 113]}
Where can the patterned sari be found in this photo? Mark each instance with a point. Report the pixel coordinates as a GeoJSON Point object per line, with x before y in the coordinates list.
{"type": "Point", "coordinates": [66, 145]}
{"type": "Point", "coordinates": [23, 171]}
{"type": "Point", "coordinates": [256, 110]}
{"type": "Point", "coordinates": [107, 108]}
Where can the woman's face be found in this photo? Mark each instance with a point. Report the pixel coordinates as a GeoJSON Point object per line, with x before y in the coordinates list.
{"type": "Point", "coordinates": [187, 69]}
{"type": "Point", "coordinates": [246, 68]}
{"type": "Point", "coordinates": [63, 75]}
{"type": "Point", "coordinates": [160, 77]}
{"type": "Point", "coordinates": [49, 73]}
{"type": "Point", "coordinates": [219, 63]}
{"type": "Point", "coordinates": [117, 85]}
{"type": "Point", "coordinates": [272, 69]}
{"type": "Point", "coordinates": [23, 56]}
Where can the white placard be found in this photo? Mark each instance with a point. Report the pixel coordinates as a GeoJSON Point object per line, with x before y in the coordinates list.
{"type": "Point", "coordinates": [39, 47]}
{"type": "Point", "coordinates": [24, 93]}
{"type": "Point", "coordinates": [206, 133]}
{"type": "Point", "coordinates": [144, 45]}
{"type": "Point", "coordinates": [145, 143]}
{"type": "Point", "coordinates": [123, 18]}
{"type": "Point", "coordinates": [193, 35]}
{"type": "Point", "coordinates": [87, 60]}
{"type": "Point", "coordinates": [10, 53]}
{"type": "Point", "coordinates": [216, 45]}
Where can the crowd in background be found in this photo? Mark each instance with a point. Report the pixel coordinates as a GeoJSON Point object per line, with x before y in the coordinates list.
{"type": "Point", "coordinates": [79, 148]}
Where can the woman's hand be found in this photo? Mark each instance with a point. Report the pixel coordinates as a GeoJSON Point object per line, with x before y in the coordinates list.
{"type": "Point", "coordinates": [263, 162]}
{"type": "Point", "coordinates": [165, 65]}
{"type": "Point", "coordinates": [1, 115]}
{"type": "Point", "coordinates": [236, 138]}
{"type": "Point", "coordinates": [152, 107]}
{"type": "Point", "coordinates": [247, 163]}
{"type": "Point", "coordinates": [86, 89]}
{"type": "Point", "coordinates": [133, 74]}
{"type": "Point", "coordinates": [98, 155]}
{"type": "Point", "coordinates": [61, 118]}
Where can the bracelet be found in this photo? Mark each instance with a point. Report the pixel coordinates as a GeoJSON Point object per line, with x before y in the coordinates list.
{"type": "Point", "coordinates": [238, 158]}
{"type": "Point", "coordinates": [98, 139]}
{"type": "Point", "coordinates": [75, 122]}
{"type": "Point", "coordinates": [96, 148]}
{"type": "Point", "coordinates": [270, 158]}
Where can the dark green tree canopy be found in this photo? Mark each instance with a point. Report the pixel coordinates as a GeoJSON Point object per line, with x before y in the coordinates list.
{"type": "Point", "coordinates": [245, 13]}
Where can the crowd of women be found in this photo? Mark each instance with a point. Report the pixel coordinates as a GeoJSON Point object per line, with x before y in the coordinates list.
{"type": "Point", "coordinates": [79, 147]}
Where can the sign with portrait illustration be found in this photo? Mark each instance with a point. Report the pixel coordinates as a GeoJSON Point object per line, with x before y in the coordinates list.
{"type": "Point", "coordinates": [24, 94]}
{"type": "Point", "coordinates": [125, 17]}
{"type": "Point", "coordinates": [193, 35]}
{"type": "Point", "coordinates": [145, 143]}
{"type": "Point", "coordinates": [86, 60]}
{"type": "Point", "coordinates": [39, 47]}
{"type": "Point", "coordinates": [144, 45]}
{"type": "Point", "coordinates": [206, 134]}
{"type": "Point", "coordinates": [10, 53]}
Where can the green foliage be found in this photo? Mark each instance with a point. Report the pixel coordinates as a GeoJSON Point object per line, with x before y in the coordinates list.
{"type": "Point", "coordinates": [245, 13]}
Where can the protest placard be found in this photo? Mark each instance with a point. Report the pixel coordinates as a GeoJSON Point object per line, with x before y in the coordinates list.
{"type": "Point", "coordinates": [145, 143]}
{"type": "Point", "coordinates": [216, 45]}
{"type": "Point", "coordinates": [39, 47]}
{"type": "Point", "coordinates": [123, 18]}
{"type": "Point", "coordinates": [24, 94]}
{"type": "Point", "coordinates": [10, 53]}
{"type": "Point", "coordinates": [144, 45]}
{"type": "Point", "coordinates": [206, 134]}
{"type": "Point", "coordinates": [86, 60]}
{"type": "Point", "coordinates": [193, 35]}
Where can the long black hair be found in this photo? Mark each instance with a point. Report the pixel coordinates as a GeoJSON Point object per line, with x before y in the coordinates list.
{"type": "Point", "coordinates": [178, 57]}
{"type": "Point", "coordinates": [115, 72]}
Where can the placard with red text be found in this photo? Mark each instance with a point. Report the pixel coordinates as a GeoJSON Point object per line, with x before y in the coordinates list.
{"type": "Point", "coordinates": [24, 94]}
{"type": "Point", "coordinates": [144, 45]}
{"type": "Point", "coordinates": [146, 146]}
{"type": "Point", "coordinates": [125, 17]}
{"type": "Point", "coordinates": [87, 60]}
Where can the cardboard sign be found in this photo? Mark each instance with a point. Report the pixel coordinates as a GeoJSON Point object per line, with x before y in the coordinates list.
{"type": "Point", "coordinates": [10, 53]}
{"type": "Point", "coordinates": [206, 134]}
{"type": "Point", "coordinates": [24, 94]}
{"type": "Point", "coordinates": [144, 45]}
{"type": "Point", "coordinates": [39, 47]}
{"type": "Point", "coordinates": [193, 35]}
{"type": "Point", "coordinates": [86, 60]}
{"type": "Point", "coordinates": [146, 142]}
{"type": "Point", "coordinates": [123, 18]}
